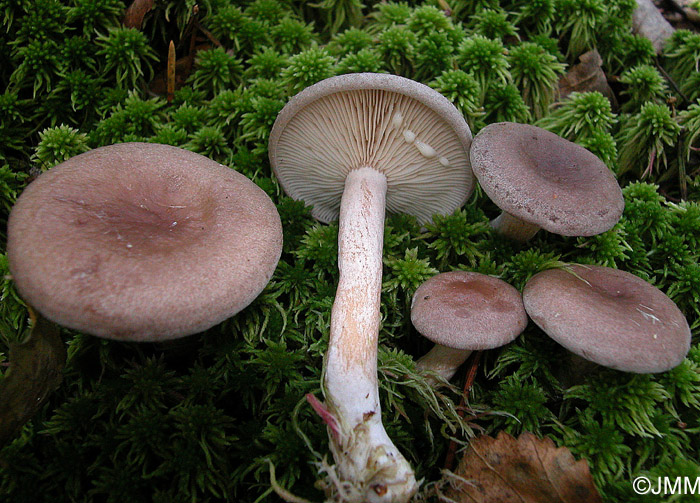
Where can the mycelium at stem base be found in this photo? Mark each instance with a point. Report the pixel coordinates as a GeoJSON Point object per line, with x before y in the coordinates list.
{"type": "Point", "coordinates": [361, 447]}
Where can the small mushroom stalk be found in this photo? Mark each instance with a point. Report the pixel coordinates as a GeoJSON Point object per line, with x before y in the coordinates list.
{"type": "Point", "coordinates": [365, 456]}
{"type": "Point", "coordinates": [443, 361]}
{"type": "Point", "coordinates": [514, 228]}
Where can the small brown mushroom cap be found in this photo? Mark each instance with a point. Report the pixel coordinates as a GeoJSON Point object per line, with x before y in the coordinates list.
{"type": "Point", "coordinates": [468, 310]}
{"type": "Point", "coordinates": [401, 128]}
{"type": "Point", "coordinates": [609, 316]}
{"type": "Point", "coordinates": [546, 180]}
{"type": "Point", "coordinates": [140, 241]}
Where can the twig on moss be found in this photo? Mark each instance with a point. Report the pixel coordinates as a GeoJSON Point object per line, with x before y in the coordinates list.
{"type": "Point", "coordinates": [471, 375]}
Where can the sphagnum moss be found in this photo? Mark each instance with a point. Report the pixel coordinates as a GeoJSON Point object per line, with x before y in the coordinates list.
{"type": "Point", "coordinates": [202, 418]}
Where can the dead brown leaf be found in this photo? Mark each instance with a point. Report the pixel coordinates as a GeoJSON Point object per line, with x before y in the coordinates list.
{"type": "Point", "coordinates": [133, 17]}
{"type": "Point", "coordinates": [585, 76]}
{"type": "Point", "coordinates": [36, 369]}
{"type": "Point", "coordinates": [523, 470]}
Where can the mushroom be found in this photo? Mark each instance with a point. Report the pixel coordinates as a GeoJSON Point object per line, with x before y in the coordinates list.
{"type": "Point", "coordinates": [541, 180]}
{"type": "Point", "coordinates": [462, 312]}
{"type": "Point", "coordinates": [608, 316]}
{"type": "Point", "coordinates": [354, 146]}
{"type": "Point", "coordinates": [142, 242]}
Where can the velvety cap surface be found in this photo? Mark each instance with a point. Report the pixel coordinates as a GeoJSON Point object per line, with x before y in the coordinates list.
{"type": "Point", "coordinates": [404, 129]}
{"type": "Point", "coordinates": [546, 180]}
{"type": "Point", "coordinates": [140, 241]}
{"type": "Point", "coordinates": [610, 317]}
{"type": "Point", "coordinates": [468, 310]}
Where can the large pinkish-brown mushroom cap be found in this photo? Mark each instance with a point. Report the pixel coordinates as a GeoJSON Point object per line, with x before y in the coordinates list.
{"type": "Point", "coordinates": [543, 179]}
{"type": "Point", "coordinates": [141, 241]}
{"type": "Point", "coordinates": [610, 317]}
{"type": "Point", "coordinates": [468, 310]}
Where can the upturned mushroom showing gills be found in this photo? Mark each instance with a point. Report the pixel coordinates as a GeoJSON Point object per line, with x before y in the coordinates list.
{"type": "Point", "coordinates": [354, 146]}
{"type": "Point", "coordinates": [142, 242]}
{"type": "Point", "coordinates": [608, 316]}
{"type": "Point", "coordinates": [541, 180]}
{"type": "Point", "coordinates": [462, 312]}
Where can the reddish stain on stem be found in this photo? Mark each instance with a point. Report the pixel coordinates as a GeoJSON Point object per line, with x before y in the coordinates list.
{"type": "Point", "coordinates": [323, 412]}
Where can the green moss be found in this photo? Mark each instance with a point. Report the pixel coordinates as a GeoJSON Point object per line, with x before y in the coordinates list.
{"type": "Point", "coordinates": [396, 45]}
{"type": "Point", "coordinates": [645, 84]}
{"type": "Point", "coordinates": [215, 70]}
{"type": "Point", "coordinates": [463, 90]}
{"type": "Point", "coordinates": [59, 144]}
{"type": "Point", "coordinates": [536, 73]}
{"type": "Point", "coordinates": [646, 138]}
{"type": "Point", "coordinates": [127, 55]}
{"type": "Point", "coordinates": [536, 16]}
{"type": "Point", "coordinates": [494, 24]}
{"type": "Point", "coordinates": [486, 59]}
{"type": "Point", "coordinates": [580, 21]}
{"type": "Point", "coordinates": [579, 116]}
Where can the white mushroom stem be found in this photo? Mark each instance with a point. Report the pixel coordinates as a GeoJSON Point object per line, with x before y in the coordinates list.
{"type": "Point", "coordinates": [513, 227]}
{"type": "Point", "coordinates": [366, 457]}
{"type": "Point", "coordinates": [443, 361]}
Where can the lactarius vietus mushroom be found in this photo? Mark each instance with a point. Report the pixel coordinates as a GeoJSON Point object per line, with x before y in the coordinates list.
{"type": "Point", "coordinates": [354, 146]}
{"type": "Point", "coordinates": [140, 241]}
{"type": "Point", "coordinates": [462, 312]}
{"type": "Point", "coordinates": [541, 180]}
{"type": "Point", "coordinates": [608, 316]}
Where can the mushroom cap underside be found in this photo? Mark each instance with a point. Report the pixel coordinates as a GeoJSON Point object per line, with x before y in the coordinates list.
{"type": "Point", "coordinates": [406, 130]}
{"type": "Point", "coordinates": [546, 180]}
{"type": "Point", "coordinates": [468, 310]}
{"type": "Point", "coordinates": [140, 241]}
{"type": "Point", "coordinates": [609, 316]}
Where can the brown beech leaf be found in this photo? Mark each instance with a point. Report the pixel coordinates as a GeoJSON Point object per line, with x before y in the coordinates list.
{"type": "Point", "coordinates": [523, 470]}
{"type": "Point", "coordinates": [133, 17]}
{"type": "Point", "coordinates": [585, 76]}
{"type": "Point", "coordinates": [36, 367]}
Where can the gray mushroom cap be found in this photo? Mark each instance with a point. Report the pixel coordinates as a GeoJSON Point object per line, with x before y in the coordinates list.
{"type": "Point", "coordinates": [546, 180]}
{"type": "Point", "coordinates": [406, 130]}
{"type": "Point", "coordinates": [468, 310]}
{"type": "Point", "coordinates": [610, 317]}
{"type": "Point", "coordinates": [140, 241]}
